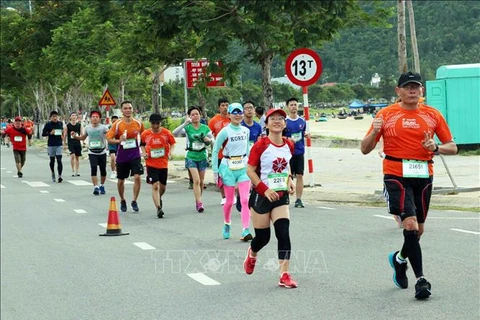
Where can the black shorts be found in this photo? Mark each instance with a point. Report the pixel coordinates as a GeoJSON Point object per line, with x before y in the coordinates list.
{"type": "Point", "coordinates": [100, 161]}
{"type": "Point", "coordinates": [408, 197]}
{"type": "Point", "coordinates": [128, 169]}
{"type": "Point", "coordinates": [20, 156]}
{"type": "Point", "coordinates": [155, 175]}
{"type": "Point", "coordinates": [297, 164]}
{"type": "Point", "coordinates": [110, 151]}
{"type": "Point", "coordinates": [75, 149]}
{"type": "Point", "coordinates": [262, 205]}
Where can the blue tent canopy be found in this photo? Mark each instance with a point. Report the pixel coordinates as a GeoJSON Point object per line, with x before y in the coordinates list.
{"type": "Point", "coordinates": [356, 104]}
{"type": "Point", "coordinates": [378, 105]}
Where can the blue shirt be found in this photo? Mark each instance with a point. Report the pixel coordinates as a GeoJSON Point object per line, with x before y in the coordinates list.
{"type": "Point", "coordinates": [255, 130]}
{"type": "Point", "coordinates": [296, 130]}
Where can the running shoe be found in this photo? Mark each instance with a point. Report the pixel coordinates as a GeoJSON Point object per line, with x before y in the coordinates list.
{"type": "Point", "coordinates": [423, 289]}
{"type": "Point", "coordinates": [113, 175]}
{"type": "Point", "coordinates": [102, 189]}
{"type": "Point", "coordinates": [19, 174]}
{"type": "Point", "coordinates": [160, 213]}
{"type": "Point", "coordinates": [53, 177]}
{"type": "Point", "coordinates": [249, 262]}
{"type": "Point", "coordinates": [190, 185]}
{"type": "Point", "coordinates": [73, 173]}
{"type": "Point", "coordinates": [123, 206]}
{"type": "Point", "coordinates": [77, 174]}
{"type": "Point", "coordinates": [286, 281]}
{"type": "Point", "coordinates": [399, 271]}
{"type": "Point", "coordinates": [199, 206]}
{"type": "Point", "coordinates": [60, 179]}
{"type": "Point", "coordinates": [96, 191]}
{"type": "Point", "coordinates": [226, 231]}
{"type": "Point", "coordinates": [134, 206]}
{"type": "Point", "coordinates": [246, 236]}
{"type": "Point", "coordinates": [398, 220]}
{"type": "Point", "coordinates": [299, 203]}
{"type": "Point", "coordinates": [223, 201]}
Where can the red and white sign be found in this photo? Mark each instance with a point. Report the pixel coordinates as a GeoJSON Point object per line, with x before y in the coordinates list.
{"type": "Point", "coordinates": [196, 71]}
{"type": "Point", "coordinates": [107, 99]}
{"type": "Point", "coordinates": [303, 67]}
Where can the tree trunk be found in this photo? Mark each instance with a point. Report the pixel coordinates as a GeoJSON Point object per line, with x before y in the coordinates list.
{"type": "Point", "coordinates": [266, 81]}
{"type": "Point", "coordinates": [155, 86]}
{"type": "Point", "coordinates": [402, 42]}
{"type": "Point", "coordinates": [413, 35]}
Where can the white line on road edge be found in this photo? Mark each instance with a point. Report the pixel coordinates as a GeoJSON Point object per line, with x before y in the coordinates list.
{"type": "Point", "coordinates": [3, 168]}
{"type": "Point", "coordinates": [36, 184]}
{"type": "Point", "coordinates": [438, 218]}
{"type": "Point", "coordinates": [79, 211]}
{"type": "Point", "coordinates": [2, 186]}
{"type": "Point", "coordinates": [103, 225]}
{"type": "Point", "coordinates": [144, 246]}
{"type": "Point", "coordinates": [326, 208]}
{"type": "Point", "coordinates": [59, 200]}
{"type": "Point", "coordinates": [465, 231]}
{"type": "Point", "coordinates": [115, 181]}
{"type": "Point", "coordinates": [44, 191]}
{"type": "Point", "coordinates": [79, 182]}
{"type": "Point", "coordinates": [203, 279]}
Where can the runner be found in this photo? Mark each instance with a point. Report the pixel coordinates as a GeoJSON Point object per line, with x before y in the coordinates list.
{"type": "Point", "coordinates": [268, 168]}
{"type": "Point", "coordinates": [29, 124]}
{"type": "Point", "coordinates": [112, 151]}
{"type": "Point", "coordinates": [216, 124]}
{"type": "Point", "coordinates": [198, 137]}
{"type": "Point", "coordinates": [74, 145]}
{"type": "Point", "coordinates": [56, 134]}
{"type": "Point", "coordinates": [232, 170]}
{"type": "Point", "coordinates": [157, 145]}
{"type": "Point", "coordinates": [18, 135]}
{"type": "Point", "coordinates": [97, 154]}
{"type": "Point", "coordinates": [125, 132]}
{"type": "Point", "coordinates": [296, 127]}
{"type": "Point", "coordinates": [408, 128]}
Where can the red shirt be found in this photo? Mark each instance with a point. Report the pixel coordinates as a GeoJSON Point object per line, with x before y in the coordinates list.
{"type": "Point", "coordinates": [18, 137]}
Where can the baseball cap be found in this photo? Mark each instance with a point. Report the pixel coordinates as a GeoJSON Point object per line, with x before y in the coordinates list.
{"type": "Point", "coordinates": [272, 111]}
{"type": "Point", "coordinates": [409, 77]}
{"type": "Point", "coordinates": [155, 117]}
{"type": "Point", "coordinates": [18, 118]}
{"type": "Point", "coordinates": [235, 106]}
{"type": "Point", "coordinates": [54, 112]}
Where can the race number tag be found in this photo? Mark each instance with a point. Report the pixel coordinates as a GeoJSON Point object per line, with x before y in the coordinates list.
{"type": "Point", "coordinates": [95, 144]}
{"type": "Point", "coordinates": [58, 132]}
{"type": "Point", "coordinates": [197, 145]}
{"type": "Point", "coordinates": [157, 153]}
{"type": "Point", "coordinates": [18, 138]}
{"type": "Point", "coordinates": [297, 136]}
{"type": "Point", "coordinates": [236, 163]}
{"type": "Point", "coordinates": [130, 144]}
{"type": "Point", "coordinates": [278, 181]}
{"type": "Point", "coordinates": [415, 169]}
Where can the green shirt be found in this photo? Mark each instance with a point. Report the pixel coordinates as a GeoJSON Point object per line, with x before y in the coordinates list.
{"type": "Point", "coordinates": [195, 145]}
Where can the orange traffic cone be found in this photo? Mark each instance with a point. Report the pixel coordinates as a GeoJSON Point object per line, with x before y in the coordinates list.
{"type": "Point", "coordinates": [113, 224]}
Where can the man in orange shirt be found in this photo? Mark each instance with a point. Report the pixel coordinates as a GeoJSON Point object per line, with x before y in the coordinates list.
{"type": "Point", "coordinates": [216, 124]}
{"type": "Point", "coordinates": [125, 132]}
{"type": "Point", "coordinates": [407, 128]}
{"type": "Point", "coordinates": [157, 145]}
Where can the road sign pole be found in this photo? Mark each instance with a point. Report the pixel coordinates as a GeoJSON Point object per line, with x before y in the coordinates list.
{"type": "Point", "coordinates": [308, 149]}
{"type": "Point", "coordinates": [185, 79]}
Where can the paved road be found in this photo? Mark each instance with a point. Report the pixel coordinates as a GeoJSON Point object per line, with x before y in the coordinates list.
{"type": "Point", "coordinates": [55, 266]}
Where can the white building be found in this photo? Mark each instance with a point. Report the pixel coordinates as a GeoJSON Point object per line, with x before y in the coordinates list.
{"type": "Point", "coordinates": [375, 81]}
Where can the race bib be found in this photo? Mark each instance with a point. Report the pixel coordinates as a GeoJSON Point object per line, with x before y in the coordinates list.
{"type": "Point", "coordinates": [236, 163]}
{"type": "Point", "coordinates": [197, 145]}
{"type": "Point", "coordinates": [157, 153]}
{"type": "Point", "coordinates": [18, 138]}
{"type": "Point", "coordinates": [130, 144]}
{"type": "Point", "coordinates": [278, 181]}
{"type": "Point", "coordinates": [58, 132]}
{"type": "Point", "coordinates": [415, 169]}
{"type": "Point", "coordinates": [297, 136]}
{"type": "Point", "coordinates": [95, 144]}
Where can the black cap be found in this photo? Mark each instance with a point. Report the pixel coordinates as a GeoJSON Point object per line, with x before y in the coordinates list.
{"type": "Point", "coordinates": [409, 77]}
{"type": "Point", "coordinates": [54, 112]}
{"type": "Point", "coordinates": [155, 117]}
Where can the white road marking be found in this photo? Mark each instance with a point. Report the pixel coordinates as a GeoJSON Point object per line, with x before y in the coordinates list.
{"type": "Point", "coordinates": [36, 184]}
{"type": "Point", "coordinates": [465, 231]}
{"type": "Point", "coordinates": [103, 225]}
{"type": "Point", "coordinates": [9, 171]}
{"type": "Point", "coordinates": [2, 186]}
{"type": "Point", "coordinates": [115, 181]}
{"type": "Point", "coordinates": [326, 208]}
{"type": "Point", "coordinates": [170, 181]}
{"type": "Point", "coordinates": [144, 246]}
{"type": "Point", "coordinates": [79, 211]}
{"type": "Point", "coordinates": [44, 191]}
{"type": "Point", "coordinates": [59, 200]}
{"type": "Point", "coordinates": [203, 279]}
{"type": "Point", "coordinates": [80, 182]}
{"type": "Point", "coordinates": [3, 168]}
{"type": "Point", "coordinates": [438, 218]}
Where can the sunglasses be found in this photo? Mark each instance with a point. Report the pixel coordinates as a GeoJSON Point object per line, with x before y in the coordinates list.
{"type": "Point", "coordinates": [236, 112]}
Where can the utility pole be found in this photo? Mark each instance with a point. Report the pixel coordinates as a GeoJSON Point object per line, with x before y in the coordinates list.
{"type": "Point", "coordinates": [402, 46]}
{"type": "Point", "coordinates": [413, 35]}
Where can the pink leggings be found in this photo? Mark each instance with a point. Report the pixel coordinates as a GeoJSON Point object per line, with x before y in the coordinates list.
{"type": "Point", "coordinates": [244, 191]}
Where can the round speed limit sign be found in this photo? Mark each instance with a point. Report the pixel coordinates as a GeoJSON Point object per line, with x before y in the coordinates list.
{"type": "Point", "coordinates": [303, 67]}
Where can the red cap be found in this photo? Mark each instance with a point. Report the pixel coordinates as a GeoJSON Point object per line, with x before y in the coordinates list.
{"type": "Point", "coordinates": [272, 111]}
{"type": "Point", "coordinates": [18, 118]}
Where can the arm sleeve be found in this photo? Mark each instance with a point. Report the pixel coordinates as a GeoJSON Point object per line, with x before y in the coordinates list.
{"type": "Point", "coordinates": [179, 130]}
{"type": "Point", "coordinates": [221, 137]}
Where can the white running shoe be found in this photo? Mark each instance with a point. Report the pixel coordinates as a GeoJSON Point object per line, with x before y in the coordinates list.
{"type": "Point", "coordinates": [113, 175]}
